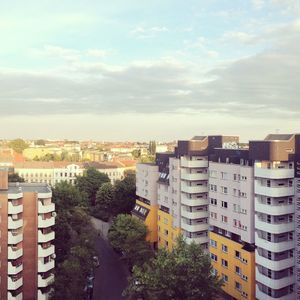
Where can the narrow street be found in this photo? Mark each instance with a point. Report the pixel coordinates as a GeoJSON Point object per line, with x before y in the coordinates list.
{"type": "Point", "coordinates": [111, 276]}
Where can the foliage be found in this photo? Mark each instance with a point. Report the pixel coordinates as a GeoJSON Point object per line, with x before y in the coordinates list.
{"type": "Point", "coordinates": [152, 147]}
{"type": "Point", "coordinates": [136, 153]}
{"type": "Point", "coordinates": [147, 159]}
{"type": "Point", "coordinates": [18, 145]}
{"type": "Point", "coordinates": [117, 199]}
{"type": "Point", "coordinates": [74, 242]}
{"type": "Point", "coordinates": [14, 177]}
{"type": "Point", "coordinates": [64, 156]}
{"type": "Point", "coordinates": [90, 182]}
{"type": "Point", "coordinates": [40, 142]}
{"type": "Point", "coordinates": [127, 235]}
{"type": "Point", "coordinates": [184, 273]}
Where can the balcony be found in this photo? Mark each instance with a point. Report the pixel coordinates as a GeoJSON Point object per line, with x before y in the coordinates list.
{"type": "Point", "coordinates": [275, 284]}
{"type": "Point", "coordinates": [274, 173]}
{"type": "Point", "coordinates": [194, 163]}
{"type": "Point", "coordinates": [44, 282]}
{"type": "Point", "coordinates": [17, 297]}
{"type": "Point", "coordinates": [14, 239]}
{"type": "Point", "coordinates": [15, 196]}
{"type": "Point", "coordinates": [274, 228]}
{"type": "Point", "coordinates": [14, 254]}
{"type": "Point", "coordinates": [197, 240]}
{"type": "Point", "coordinates": [13, 270]}
{"type": "Point", "coordinates": [275, 210]}
{"type": "Point", "coordinates": [273, 191]}
{"type": "Point", "coordinates": [43, 296]}
{"type": "Point", "coordinates": [45, 252]}
{"type": "Point", "coordinates": [45, 223]}
{"type": "Point", "coordinates": [43, 209]}
{"type": "Point", "coordinates": [275, 265]}
{"type": "Point", "coordinates": [261, 295]}
{"type": "Point", "coordinates": [194, 176]}
{"type": "Point", "coordinates": [42, 268]}
{"type": "Point", "coordinates": [14, 209]}
{"type": "Point", "coordinates": [273, 247]}
{"type": "Point", "coordinates": [14, 224]}
{"type": "Point", "coordinates": [195, 189]}
{"type": "Point", "coordinates": [14, 285]}
{"type": "Point", "coordinates": [193, 215]}
{"type": "Point", "coordinates": [193, 201]}
{"type": "Point", "coordinates": [44, 238]}
{"type": "Point", "coordinates": [195, 227]}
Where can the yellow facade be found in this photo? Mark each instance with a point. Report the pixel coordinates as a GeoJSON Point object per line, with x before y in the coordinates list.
{"type": "Point", "coordinates": [167, 234]}
{"type": "Point", "coordinates": [150, 222]}
{"type": "Point", "coordinates": [31, 153]}
{"type": "Point", "coordinates": [238, 286]}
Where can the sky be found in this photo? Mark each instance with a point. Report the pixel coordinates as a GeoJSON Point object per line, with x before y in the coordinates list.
{"type": "Point", "coordinates": [144, 70]}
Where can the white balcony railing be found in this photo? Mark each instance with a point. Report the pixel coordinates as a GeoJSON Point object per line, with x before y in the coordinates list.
{"type": "Point", "coordinates": [14, 285]}
{"type": "Point", "coordinates": [273, 247]}
{"type": "Point", "coordinates": [13, 270]}
{"type": "Point", "coordinates": [46, 281]}
{"type": "Point", "coordinates": [275, 283]}
{"type": "Point", "coordinates": [197, 240]}
{"type": "Point", "coordinates": [14, 209]}
{"type": "Point", "coordinates": [194, 214]}
{"type": "Point", "coordinates": [185, 200]}
{"type": "Point", "coordinates": [17, 297]}
{"type": "Point", "coordinates": [44, 238]}
{"type": "Point", "coordinates": [194, 176]}
{"type": "Point", "coordinates": [185, 163]}
{"type": "Point", "coordinates": [45, 208]}
{"type": "Point", "coordinates": [14, 224]}
{"type": "Point", "coordinates": [195, 189]}
{"type": "Point", "coordinates": [274, 228]}
{"type": "Point", "coordinates": [45, 252]}
{"type": "Point", "coordinates": [261, 295]}
{"type": "Point", "coordinates": [14, 239]}
{"type": "Point", "coordinates": [43, 296]}
{"type": "Point", "coordinates": [273, 191]}
{"type": "Point", "coordinates": [275, 265]}
{"type": "Point", "coordinates": [274, 173]}
{"type": "Point", "coordinates": [45, 267]}
{"type": "Point", "coordinates": [45, 223]}
{"type": "Point", "coordinates": [274, 210]}
{"type": "Point", "coordinates": [14, 254]}
{"type": "Point", "coordinates": [194, 228]}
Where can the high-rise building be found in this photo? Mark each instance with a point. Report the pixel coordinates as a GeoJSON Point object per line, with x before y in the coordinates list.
{"type": "Point", "coordinates": [27, 255]}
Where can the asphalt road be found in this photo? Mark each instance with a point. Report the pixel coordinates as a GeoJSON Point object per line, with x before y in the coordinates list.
{"type": "Point", "coordinates": [111, 276]}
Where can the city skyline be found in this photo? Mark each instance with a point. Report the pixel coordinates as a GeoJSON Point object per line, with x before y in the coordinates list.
{"type": "Point", "coordinates": [142, 71]}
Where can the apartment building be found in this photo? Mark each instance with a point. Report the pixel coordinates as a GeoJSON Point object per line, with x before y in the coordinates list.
{"type": "Point", "coordinates": [27, 256]}
{"type": "Point", "coordinates": [146, 204]}
{"type": "Point", "coordinates": [231, 220]}
{"type": "Point", "coordinates": [277, 238]}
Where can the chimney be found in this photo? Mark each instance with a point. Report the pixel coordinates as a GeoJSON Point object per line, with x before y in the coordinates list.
{"type": "Point", "coordinates": [3, 179]}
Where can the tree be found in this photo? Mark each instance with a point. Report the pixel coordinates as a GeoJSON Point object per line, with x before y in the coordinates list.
{"type": "Point", "coordinates": [128, 236]}
{"type": "Point", "coordinates": [40, 142]}
{"type": "Point", "coordinates": [18, 145]}
{"type": "Point", "coordinates": [152, 147]}
{"type": "Point", "coordinates": [136, 153]}
{"type": "Point", "coordinates": [104, 202]}
{"type": "Point", "coordinates": [14, 177]}
{"type": "Point", "coordinates": [90, 182]}
{"type": "Point", "coordinates": [184, 273]}
{"type": "Point", "coordinates": [125, 195]}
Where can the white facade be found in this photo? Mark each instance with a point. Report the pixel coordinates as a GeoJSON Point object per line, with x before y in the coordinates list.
{"type": "Point", "coordinates": [231, 196]}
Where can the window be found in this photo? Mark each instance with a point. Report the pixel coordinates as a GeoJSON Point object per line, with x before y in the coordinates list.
{"type": "Point", "coordinates": [213, 201]}
{"type": "Point", "coordinates": [213, 215]}
{"type": "Point", "coordinates": [213, 257]}
{"type": "Point", "coordinates": [224, 263]}
{"type": "Point", "coordinates": [213, 187]}
{"type": "Point", "coordinates": [224, 189]}
{"type": "Point", "coordinates": [225, 278]}
{"type": "Point", "coordinates": [213, 243]}
{"type": "Point", "coordinates": [224, 248]}
{"type": "Point", "coordinates": [224, 204]}
{"type": "Point", "coordinates": [238, 254]}
{"type": "Point", "coordinates": [214, 271]}
{"type": "Point", "coordinates": [237, 270]}
{"type": "Point", "coordinates": [238, 286]}
{"type": "Point", "coordinates": [213, 174]}
{"type": "Point", "coordinates": [224, 219]}
{"type": "Point", "coordinates": [224, 175]}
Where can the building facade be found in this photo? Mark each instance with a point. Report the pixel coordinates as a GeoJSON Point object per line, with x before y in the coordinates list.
{"type": "Point", "coordinates": [27, 255]}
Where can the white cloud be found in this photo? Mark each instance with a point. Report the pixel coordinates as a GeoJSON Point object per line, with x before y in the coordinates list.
{"type": "Point", "coordinates": [258, 4]}
{"type": "Point", "coordinates": [148, 32]}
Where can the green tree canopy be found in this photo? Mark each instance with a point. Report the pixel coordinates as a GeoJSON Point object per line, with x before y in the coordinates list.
{"type": "Point", "coordinates": [14, 177]}
{"type": "Point", "coordinates": [40, 142]}
{"type": "Point", "coordinates": [18, 145]}
{"type": "Point", "coordinates": [128, 235]}
{"type": "Point", "coordinates": [90, 182]}
{"type": "Point", "coordinates": [184, 273]}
